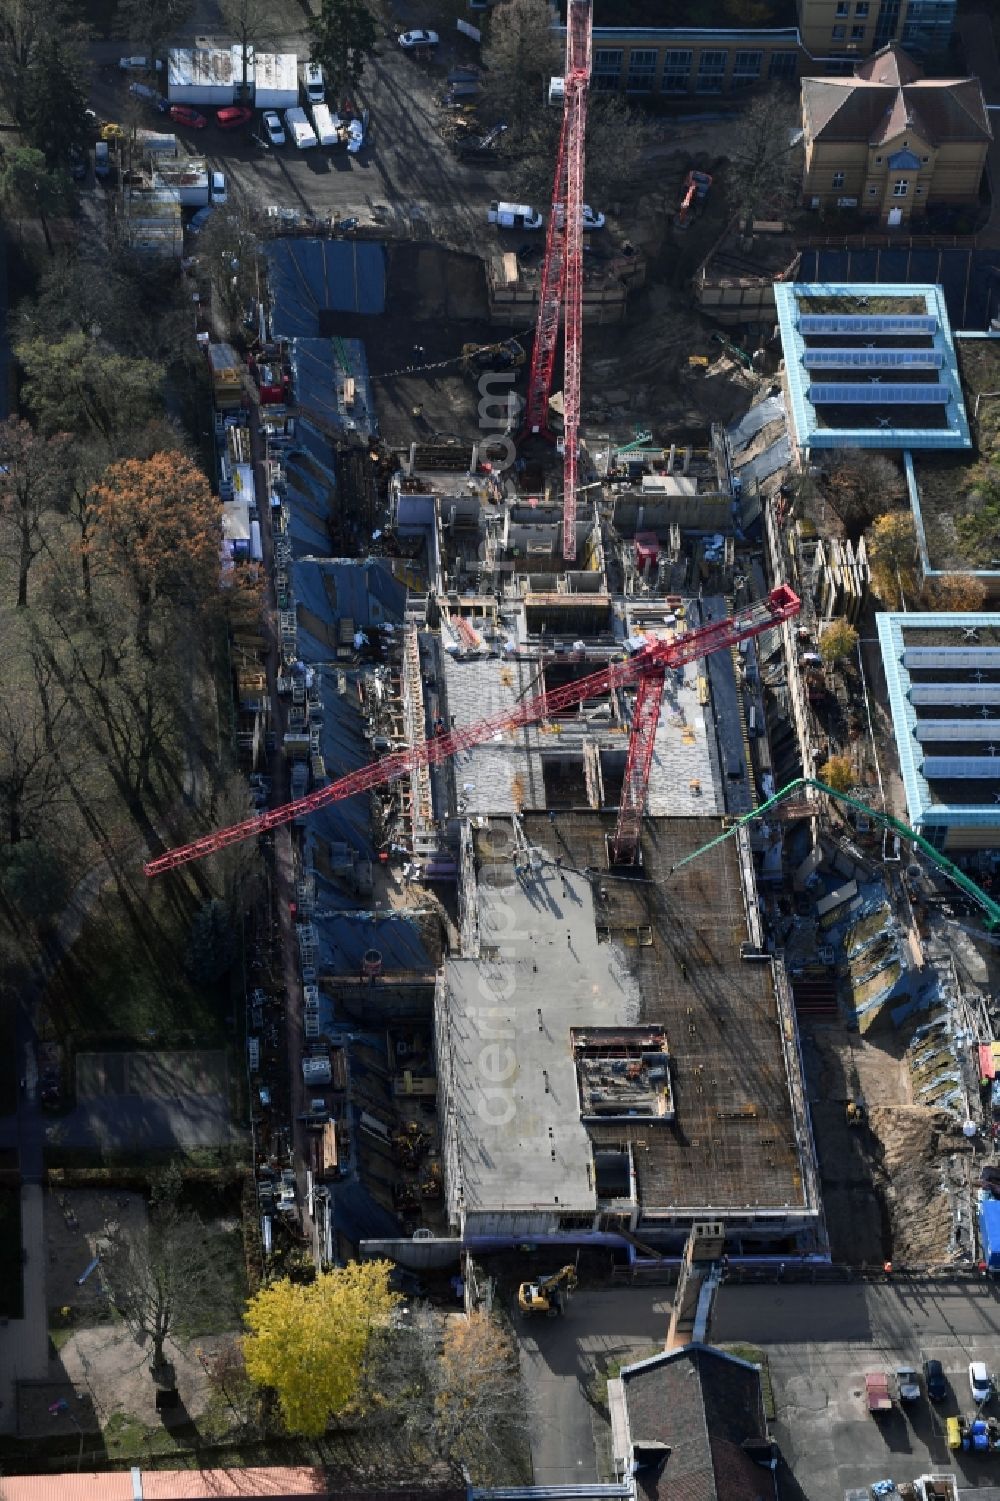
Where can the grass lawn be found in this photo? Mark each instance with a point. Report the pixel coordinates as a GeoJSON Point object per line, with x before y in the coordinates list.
{"type": "Point", "coordinates": [124, 981]}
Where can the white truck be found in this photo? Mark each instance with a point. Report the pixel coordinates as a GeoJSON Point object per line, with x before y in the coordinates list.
{"type": "Point", "coordinates": [326, 126]}
{"type": "Point", "coordinates": [298, 127]}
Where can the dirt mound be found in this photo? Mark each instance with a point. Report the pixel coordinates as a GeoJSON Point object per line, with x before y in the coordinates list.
{"type": "Point", "coordinates": [921, 1159]}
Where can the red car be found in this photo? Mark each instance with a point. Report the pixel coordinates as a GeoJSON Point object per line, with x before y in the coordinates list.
{"type": "Point", "coordinates": [183, 114]}
{"type": "Point", "coordinates": [233, 117]}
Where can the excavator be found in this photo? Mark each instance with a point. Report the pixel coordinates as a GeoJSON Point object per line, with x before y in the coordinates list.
{"type": "Point", "coordinates": [549, 1294]}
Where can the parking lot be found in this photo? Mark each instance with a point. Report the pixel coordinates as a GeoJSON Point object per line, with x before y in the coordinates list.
{"type": "Point", "coordinates": [818, 1343]}
{"type": "Point", "coordinates": [831, 1443]}
{"type": "Point", "coordinates": [404, 180]}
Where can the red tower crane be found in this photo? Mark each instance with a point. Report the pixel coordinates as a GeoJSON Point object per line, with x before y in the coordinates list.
{"type": "Point", "coordinates": [562, 270]}
{"type": "Point", "coordinates": [648, 667]}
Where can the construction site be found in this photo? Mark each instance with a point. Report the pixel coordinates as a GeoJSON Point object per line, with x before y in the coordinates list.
{"type": "Point", "coordinates": [572, 944]}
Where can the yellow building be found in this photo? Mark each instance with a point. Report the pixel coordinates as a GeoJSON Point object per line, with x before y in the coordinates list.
{"type": "Point", "coordinates": [890, 142]}
{"type": "Point", "coordinates": [853, 28]}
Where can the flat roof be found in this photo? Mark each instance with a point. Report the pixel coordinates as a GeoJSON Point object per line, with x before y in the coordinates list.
{"type": "Point", "coordinates": [567, 948]}
{"type": "Point", "coordinates": [861, 378]}
{"type": "Point", "coordinates": [214, 67]}
{"type": "Point", "coordinates": [270, 70]}
{"type": "Point", "coordinates": [943, 675]}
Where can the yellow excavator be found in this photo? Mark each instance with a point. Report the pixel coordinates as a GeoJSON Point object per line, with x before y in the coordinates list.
{"type": "Point", "coordinates": [549, 1294]}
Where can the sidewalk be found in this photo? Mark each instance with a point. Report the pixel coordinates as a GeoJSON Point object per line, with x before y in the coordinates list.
{"type": "Point", "coordinates": [981, 55]}
{"type": "Point", "coordinates": [24, 1343]}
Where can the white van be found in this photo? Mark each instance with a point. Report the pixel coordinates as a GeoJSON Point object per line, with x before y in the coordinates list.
{"type": "Point", "coordinates": [515, 216]}
{"type": "Point", "coordinates": [315, 85]}
{"type": "Point", "coordinates": [325, 125]}
{"type": "Point", "coordinates": [298, 127]}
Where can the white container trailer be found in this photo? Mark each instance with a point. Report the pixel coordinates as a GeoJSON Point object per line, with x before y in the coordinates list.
{"type": "Point", "coordinates": [275, 77]}
{"type": "Point", "coordinates": [201, 75]}
{"type": "Point", "coordinates": [188, 177]}
{"type": "Point", "coordinates": [299, 129]}
{"type": "Point", "coordinates": [326, 131]}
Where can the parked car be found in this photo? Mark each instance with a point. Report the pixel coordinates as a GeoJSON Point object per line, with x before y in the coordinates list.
{"type": "Point", "coordinates": [908, 1384]}
{"type": "Point", "coordinates": [144, 91]}
{"type": "Point", "coordinates": [315, 85]}
{"type": "Point", "coordinates": [102, 160]}
{"type": "Point", "coordinates": [934, 1378]}
{"type": "Point", "coordinates": [140, 64]}
{"type": "Point", "coordinates": [183, 114]}
{"type": "Point", "coordinates": [273, 128]}
{"type": "Point", "coordinates": [233, 116]}
{"type": "Point", "coordinates": [980, 1382]}
{"type": "Point", "coordinates": [591, 218]}
{"type": "Point", "coordinates": [411, 39]}
{"type": "Point", "coordinates": [514, 216]}
{"type": "Point", "coordinates": [200, 219]}
{"type": "Point", "coordinates": [220, 189]}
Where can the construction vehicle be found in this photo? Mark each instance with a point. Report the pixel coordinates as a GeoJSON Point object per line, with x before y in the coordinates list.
{"type": "Point", "coordinates": [990, 908]}
{"type": "Point", "coordinates": [854, 1113]}
{"type": "Point", "coordinates": [696, 186]}
{"type": "Point", "coordinates": [645, 668]}
{"type": "Point", "coordinates": [548, 1295]}
{"type": "Point", "coordinates": [507, 355]}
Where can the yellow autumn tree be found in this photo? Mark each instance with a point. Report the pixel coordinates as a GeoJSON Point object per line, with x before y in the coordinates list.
{"type": "Point", "coordinates": [308, 1342]}
{"type": "Point", "coordinates": [838, 773]}
{"type": "Point", "coordinates": [892, 554]}
{"type": "Point", "coordinates": [837, 641]}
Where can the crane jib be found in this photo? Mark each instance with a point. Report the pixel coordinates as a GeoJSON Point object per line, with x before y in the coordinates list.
{"type": "Point", "coordinates": [656, 656]}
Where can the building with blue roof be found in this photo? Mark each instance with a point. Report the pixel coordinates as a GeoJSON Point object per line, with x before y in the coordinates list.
{"type": "Point", "coordinates": [862, 375]}
{"type": "Point", "coordinates": [943, 677]}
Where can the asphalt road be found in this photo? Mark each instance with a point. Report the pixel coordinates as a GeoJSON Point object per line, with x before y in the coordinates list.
{"type": "Point", "coordinates": [406, 179]}
{"type": "Point", "coordinates": [819, 1341]}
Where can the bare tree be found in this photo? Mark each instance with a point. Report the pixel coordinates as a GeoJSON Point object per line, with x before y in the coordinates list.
{"type": "Point", "coordinates": [764, 163]}
{"type": "Point", "coordinates": [150, 23]}
{"type": "Point", "coordinates": [32, 780]}
{"type": "Point", "coordinates": [616, 135]}
{"type": "Point", "coordinates": [31, 478]}
{"type": "Point", "coordinates": [521, 54]}
{"type": "Point", "coordinates": [165, 1277]}
{"type": "Point", "coordinates": [458, 1385]}
{"type": "Point", "coordinates": [252, 23]}
{"type": "Point", "coordinates": [862, 485]}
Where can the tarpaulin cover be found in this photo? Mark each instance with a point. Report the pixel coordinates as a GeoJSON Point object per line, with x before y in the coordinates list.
{"type": "Point", "coordinates": [309, 279]}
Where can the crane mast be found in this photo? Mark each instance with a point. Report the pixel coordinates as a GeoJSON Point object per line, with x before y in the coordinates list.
{"type": "Point", "coordinates": [562, 270]}
{"type": "Point", "coordinates": [655, 658]}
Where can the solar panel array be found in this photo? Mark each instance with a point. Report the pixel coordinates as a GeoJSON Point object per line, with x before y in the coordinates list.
{"type": "Point", "coordinates": [968, 768]}
{"type": "Point", "coordinates": [856, 323]}
{"type": "Point", "coordinates": [959, 694]}
{"type": "Point", "coordinates": [971, 658]}
{"type": "Point", "coordinates": [934, 730]}
{"type": "Point", "coordinates": [873, 393]}
{"type": "Point", "coordinates": [873, 359]}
